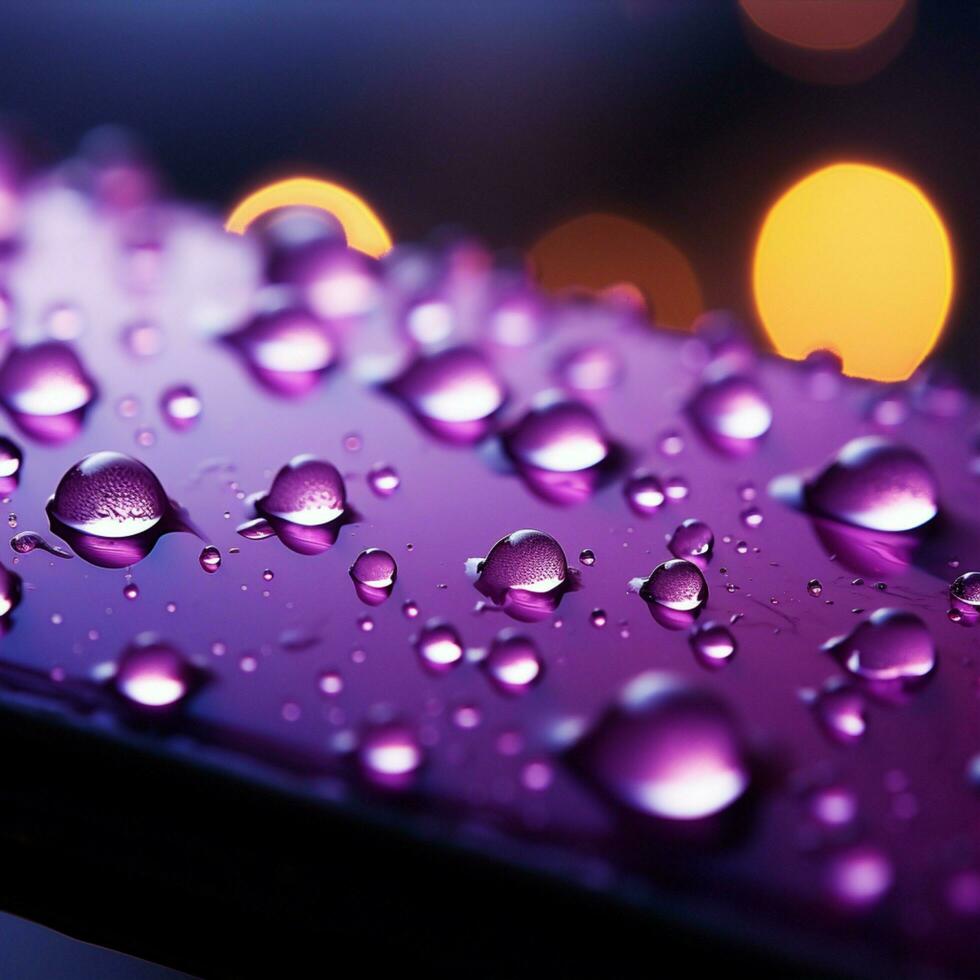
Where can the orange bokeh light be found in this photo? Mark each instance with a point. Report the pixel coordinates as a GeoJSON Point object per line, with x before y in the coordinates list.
{"type": "Point", "coordinates": [603, 253]}
{"type": "Point", "coordinates": [364, 229]}
{"type": "Point", "coordinates": [854, 258]}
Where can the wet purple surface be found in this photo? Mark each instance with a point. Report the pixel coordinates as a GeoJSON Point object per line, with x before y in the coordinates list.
{"type": "Point", "coordinates": [289, 673]}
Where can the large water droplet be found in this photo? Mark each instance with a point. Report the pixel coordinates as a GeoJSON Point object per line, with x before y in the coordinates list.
{"type": "Point", "coordinates": [306, 491]}
{"type": "Point", "coordinates": [891, 645]}
{"type": "Point", "coordinates": [529, 560]}
{"type": "Point", "coordinates": [47, 391]}
{"type": "Point", "coordinates": [153, 674]}
{"type": "Point", "coordinates": [677, 584]}
{"type": "Point", "coordinates": [966, 589]}
{"type": "Point", "coordinates": [560, 437]}
{"type": "Point", "coordinates": [110, 495]}
{"type": "Point", "coordinates": [876, 484]}
{"type": "Point", "coordinates": [668, 750]}
{"type": "Point", "coordinates": [731, 412]}
{"type": "Point", "coordinates": [439, 646]}
{"type": "Point", "coordinates": [513, 663]}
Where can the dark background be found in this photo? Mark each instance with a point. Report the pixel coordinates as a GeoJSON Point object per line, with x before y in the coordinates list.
{"type": "Point", "coordinates": [501, 117]}
{"type": "Point", "coordinates": [507, 116]}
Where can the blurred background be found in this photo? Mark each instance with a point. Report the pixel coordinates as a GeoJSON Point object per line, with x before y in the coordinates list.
{"type": "Point", "coordinates": [508, 118]}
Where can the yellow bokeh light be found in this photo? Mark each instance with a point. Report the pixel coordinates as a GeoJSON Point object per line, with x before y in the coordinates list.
{"type": "Point", "coordinates": [854, 259]}
{"type": "Point", "coordinates": [364, 229]}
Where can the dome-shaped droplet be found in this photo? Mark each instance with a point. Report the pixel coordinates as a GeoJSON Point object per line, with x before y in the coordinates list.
{"type": "Point", "coordinates": [153, 674]}
{"type": "Point", "coordinates": [713, 644]}
{"type": "Point", "coordinates": [891, 645]}
{"type": "Point", "coordinates": [181, 407]}
{"type": "Point", "coordinates": [732, 408]}
{"type": "Point", "coordinates": [644, 493]}
{"type": "Point", "coordinates": [109, 495]}
{"type": "Point", "coordinates": [383, 479]}
{"type": "Point", "coordinates": [529, 560]}
{"type": "Point", "coordinates": [439, 646]}
{"type": "Point", "coordinates": [676, 584]}
{"type": "Point", "coordinates": [859, 877]}
{"type": "Point", "coordinates": [559, 436]}
{"type": "Point", "coordinates": [10, 590]}
{"type": "Point", "coordinates": [667, 749]}
{"type": "Point", "coordinates": [390, 755]}
{"type": "Point", "coordinates": [374, 568]}
{"type": "Point", "coordinates": [692, 539]}
{"type": "Point", "coordinates": [591, 368]}
{"type": "Point", "coordinates": [967, 589]}
{"type": "Point", "coordinates": [455, 386]}
{"type": "Point", "coordinates": [876, 484]}
{"type": "Point", "coordinates": [11, 458]}
{"type": "Point", "coordinates": [587, 557]}
{"type": "Point", "coordinates": [306, 491]}
{"type": "Point", "coordinates": [840, 708]}
{"type": "Point", "coordinates": [210, 558]}
{"type": "Point", "coordinates": [513, 663]}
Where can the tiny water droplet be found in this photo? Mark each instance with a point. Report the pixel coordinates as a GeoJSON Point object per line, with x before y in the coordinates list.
{"type": "Point", "coordinates": [143, 338]}
{"type": "Point", "coordinates": [587, 557]}
{"type": "Point", "coordinates": [814, 587]}
{"type": "Point", "coordinates": [595, 367]}
{"type": "Point", "coordinates": [153, 674]}
{"type": "Point", "coordinates": [390, 755]}
{"type": "Point", "coordinates": [859, 877]}
{"type": "Point", "coordinates": [330, 683]}
{"type": "Point", "coordinates": [713, 644]}
{"type": "Point", "coordinates": [751, 517]}
{"type": "Point", "coordinates": [131, 590]}
{"type": "Point", "coordinates": [598, 618]}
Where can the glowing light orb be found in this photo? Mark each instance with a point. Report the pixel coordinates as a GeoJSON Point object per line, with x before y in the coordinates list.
{"type": "Point", "coordinates": [364, 229]}
{"type": "Point", "coordinates": [854, 259]}
{"type": "Point", "coordinates": [606, 254]}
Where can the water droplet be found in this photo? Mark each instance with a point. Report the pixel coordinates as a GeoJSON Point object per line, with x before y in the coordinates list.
{"type": "Point", "coordinates": [373, 574]}
{"type": "Point", "coordinates": [109, 495]}
{"type": "Point", "coordinates": [595, 367]}
{"type": "Point", "coordinates": [513, 663]}
{"type": "Point", "coordinates": [153, 674]}
{"type": "Point", "coordinates": [814, 587]}
{"type": "Point", "coordinates": [587, 557]}
{"type": "Point", "coordinates": [306, 491]}
{"type": "Point", "coordinates": [526, 572]}
{"type": "Point", "coordinates": [64, 322]}
{"type": "Point", "coordinates": [390, 755]}
{"type": "Point", "coordinates": [876, 484]}
{"type": "Point", "coordinates": [11, 459]}
{"type": "Point", "coordinates": [644, 493]}
{"type": "Point", "coordinates": [439, 646]}
{"type": "Point", "coordinates": [732, 413]}
{"type": "Point", "coordinates": [891, 645]}
{"type": "Point", "coordinates": [713, 644]}
{"type": "Point", "coordinates": [966, 589]}
{"type": "Point", "coordinates": [859, 877]}
{"type": "Point", "coordinates": [410, 609]}
{"type": "Point", "coordinates": [383, 479]}
{"type": "Point", "coordinates": [286, 351]}
{"type": "Point", "coordinates": [181, 407]}
{"type": "Point", "coordinates": [677, 584]}
{"type": "Point", "coordinates": [598, 618]}
{"type": "Point", "coordinates": [112, 509]}
{"type": "Point", "coordinates": [834, 806]}
{"type": "Point", "coordinates": [454, 392]}
{"type": "Point", "coordinates": [330, 683]}
{"type": "Point", "coordinates": [751, 517]}
{"type": "Point", "coordinates": [10, 591]}
{"type": "Point", "coordinates": [47, 391]}
{"type": "Point", "coordinates": [210, 558]}
{"type": "Point", "coordinates": [676, 488]}
{"type": "Point", "coordinates": [670, 443]}
{"type": "Point", "coordinates": [143, 338]}
{"type": "Point", "coordinates": [666, 749]}
{"type": "Point", "coordinates": [131, 590]}
{"type": "Point", "coordinates": [559, 436]}
{"type": "Point", "coordinates": [27, 541]}
{"type": "Point", "coordinates": [692, 539]}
